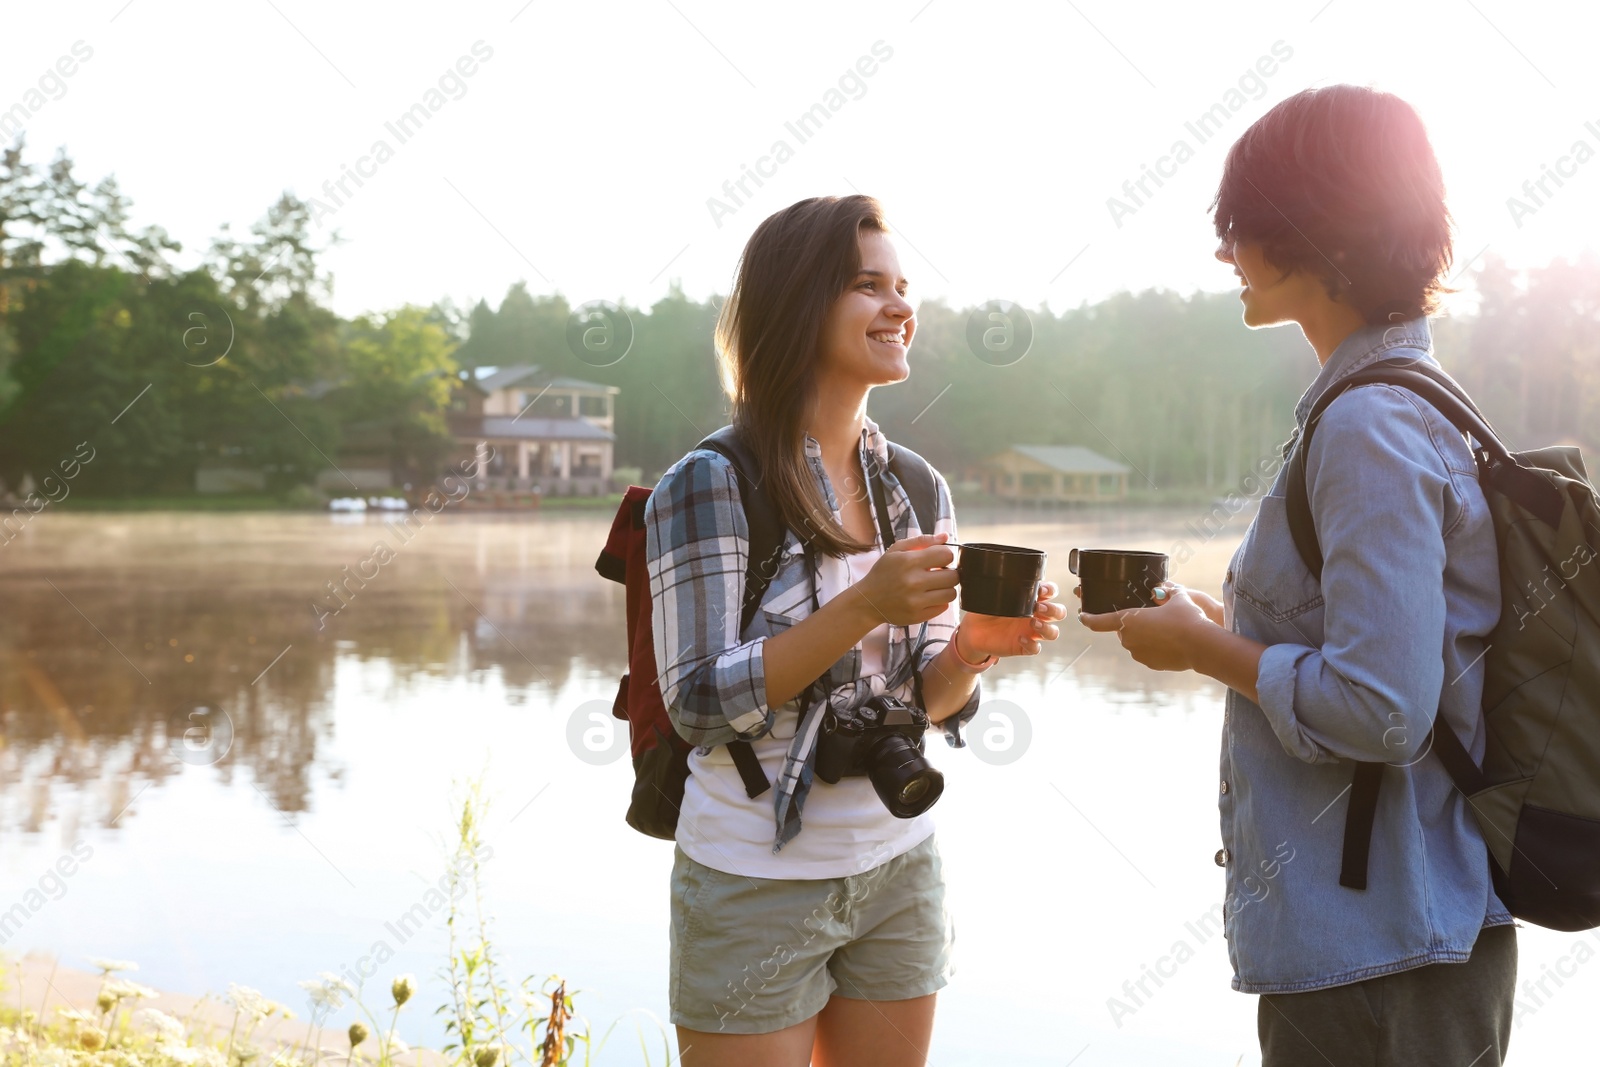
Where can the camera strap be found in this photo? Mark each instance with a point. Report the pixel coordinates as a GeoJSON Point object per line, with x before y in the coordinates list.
{"type": "Point", "coordinates": [880, 507]}
{"type": "Point", "coordinates": [880, 514]}
{"type": "Point", "coordinates": [880, 511]}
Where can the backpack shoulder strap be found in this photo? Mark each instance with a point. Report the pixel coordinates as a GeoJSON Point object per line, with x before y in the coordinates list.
{"type": "Point", "coordinates": [766, 539]}
{"type": "Point", "coordinates": [915, 474]}
{"type": "Point", "coordinates": [1441, 391]}
{"type": "Point", "coordinates": [1428, 382]}
{"type": "Point", "coordinates": [760, 516]}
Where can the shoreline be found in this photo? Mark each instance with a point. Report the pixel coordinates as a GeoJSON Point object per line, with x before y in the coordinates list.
{"type": "Point", "coordinates": [262, 503]}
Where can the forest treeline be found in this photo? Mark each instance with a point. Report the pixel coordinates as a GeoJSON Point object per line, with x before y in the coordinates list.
{"type": "Point", "coordinates": [240, 360]}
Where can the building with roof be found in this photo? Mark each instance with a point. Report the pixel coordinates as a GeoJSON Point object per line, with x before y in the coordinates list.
{"type": "Point", "coordinates": [1052, 474]}
{"type": "Point", "coordinates": [538, 430]}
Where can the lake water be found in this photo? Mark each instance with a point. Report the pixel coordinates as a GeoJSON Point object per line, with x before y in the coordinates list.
{"type": "Point", "coordinates": [1078, 853]}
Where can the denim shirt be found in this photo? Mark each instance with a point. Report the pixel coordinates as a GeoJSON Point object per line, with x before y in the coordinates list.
{"type": "Point", "coordinates": [1356, 667]}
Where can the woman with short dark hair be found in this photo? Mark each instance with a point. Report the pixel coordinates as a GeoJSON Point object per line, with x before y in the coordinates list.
{"type": "Point", "coordinates": [1331, 211]}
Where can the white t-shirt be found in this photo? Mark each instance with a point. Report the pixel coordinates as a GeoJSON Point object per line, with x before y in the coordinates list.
{"type": "Point", "coordinates": [845, 828]}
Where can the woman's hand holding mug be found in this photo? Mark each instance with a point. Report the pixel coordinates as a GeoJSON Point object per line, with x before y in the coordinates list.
{"type": "Point", "coordinates": [1163, 637]}
{"type": "Point", "coordinates": [981, 636]}
{"type": "Point", "coordinates": [912, 582]}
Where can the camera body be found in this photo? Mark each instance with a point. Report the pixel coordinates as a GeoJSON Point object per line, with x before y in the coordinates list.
{"type": "Point", "coordinates": [845, 745]}
{"type": "Point", "coordinates": [882, 741]}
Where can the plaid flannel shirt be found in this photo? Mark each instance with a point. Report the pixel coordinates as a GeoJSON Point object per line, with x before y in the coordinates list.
{"type": "Point", "coordinates": [713, 680]}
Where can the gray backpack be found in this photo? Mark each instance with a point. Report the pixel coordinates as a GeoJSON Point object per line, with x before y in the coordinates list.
{"type": "Point", "coordinates": [1537, 794]}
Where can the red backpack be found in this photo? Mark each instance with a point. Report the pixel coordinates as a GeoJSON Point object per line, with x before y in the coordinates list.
{"type": "Point", "coordinates": [660, 755]}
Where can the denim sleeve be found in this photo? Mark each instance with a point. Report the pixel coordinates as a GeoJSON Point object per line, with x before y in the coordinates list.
{"type": "Point", "coordinates": [943, 626]}
{"type": "Point", "coordinates": [1381, 496]}
{"type": "Point", "coordinates": [713, 684]}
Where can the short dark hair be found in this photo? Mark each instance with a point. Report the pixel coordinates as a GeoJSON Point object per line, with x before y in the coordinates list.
{"type": "Point", "coordinates": [1342, 183]}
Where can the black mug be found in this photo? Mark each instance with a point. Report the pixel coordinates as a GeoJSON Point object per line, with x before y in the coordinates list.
{"type": "Point", "coordinates": [1112, 579]}
{"type": "Point", "coordinates": [1000, 579]}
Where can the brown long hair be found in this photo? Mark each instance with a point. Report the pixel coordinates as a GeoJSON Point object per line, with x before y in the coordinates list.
{"type": "Point", "coordinates": [796, 264]}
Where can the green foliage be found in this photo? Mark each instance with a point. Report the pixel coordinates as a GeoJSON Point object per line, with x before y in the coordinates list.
{"type": "Point", "coordinates": [525, 329]}
{"type": "Point", "coordinates": [485, 1013]}
{"type": "Point", "coordinates": [1531, 355]}
{"type": "Point", "coordinates": [240, 363]}
{"type": "Point", "coordinates": [399, 375]}
{"type": "Point", "coordinates": [43, 213]}
{"type": "Point", "coordinates": [1171, 385]}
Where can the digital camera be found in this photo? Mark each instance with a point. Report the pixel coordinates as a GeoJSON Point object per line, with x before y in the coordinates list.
{"type": "Point", "coordinates": [882, 740]}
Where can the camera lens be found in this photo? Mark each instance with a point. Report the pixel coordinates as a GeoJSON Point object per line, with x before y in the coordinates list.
{"type": "Point", "coordinates": [904, 780]}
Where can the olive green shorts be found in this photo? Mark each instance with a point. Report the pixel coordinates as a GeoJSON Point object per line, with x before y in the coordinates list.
{"type": "Point", "coordinates": [754, 955]}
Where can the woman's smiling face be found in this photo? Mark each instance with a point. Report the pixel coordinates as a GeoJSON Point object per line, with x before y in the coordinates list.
{"type": "Point", "coordinates": [1269, 295]}
{"type": "Point", "coordinates": [869, 327]}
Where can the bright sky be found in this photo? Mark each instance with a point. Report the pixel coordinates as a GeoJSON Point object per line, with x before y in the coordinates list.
{"type": "Point", "coordinates": [582, 150]}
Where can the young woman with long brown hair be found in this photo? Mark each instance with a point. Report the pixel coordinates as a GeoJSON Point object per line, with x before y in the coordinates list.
{"type": "Point", "coordinates": [822, 940]}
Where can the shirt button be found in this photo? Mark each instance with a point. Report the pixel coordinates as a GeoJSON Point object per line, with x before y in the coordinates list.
{"type": "Point", "coordinates": [1224, 787]}
{"type": "Point", "coordinates": [1221, 857]}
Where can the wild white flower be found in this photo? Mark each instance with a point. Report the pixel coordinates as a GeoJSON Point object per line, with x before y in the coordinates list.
{"type": "Point", "coordinates": [396, 1046]}
{"type": "Point", "coordinates": [250, 1001]}
{"type": "Point", "coordinates": [120, 988]}
{"type": "Point", "coordinates": [165, 1026]}
{"type": "Point", "coordinates": [18, 1036]}
{"type": "Point", "coordinates": [328, 993]}
{"type": "Point", "coordinates": [107, 966]}
{"type": "Point", "coordinates": [77, 1015]}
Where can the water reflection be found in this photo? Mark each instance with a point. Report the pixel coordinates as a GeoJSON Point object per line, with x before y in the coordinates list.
{"type": "Point", "coordinates": [130, 635]}
{"type": "Point", "coordinates": [482, 635]}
